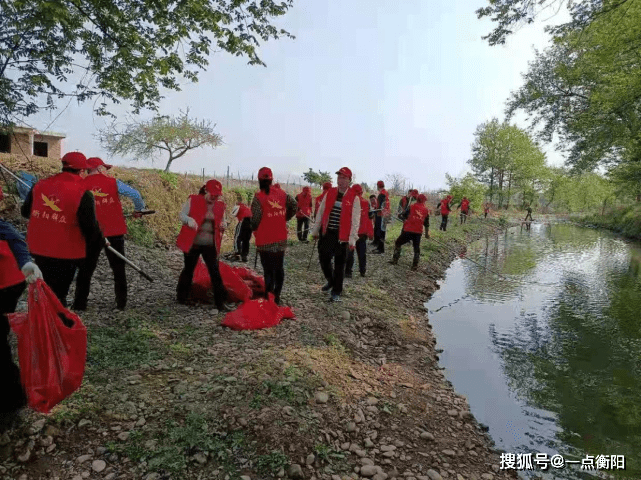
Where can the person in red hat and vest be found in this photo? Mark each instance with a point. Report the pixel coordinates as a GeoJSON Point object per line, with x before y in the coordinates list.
{"type": "Point", "coordinates": [203, 219]}
{"type": "Point", "coordinates": [417, 218]}
{"type": "Point", "coordinates": [340, 217]}
{"type": "Point", "coordinates": [271, 209]}
{"type": "Point", "coordinates": [445, 207]}
{"type": "Point", "coordinates": [63, 231]}
{"type": "Point", "coordinates": [406, 202]}
{"type": "Point", "coordinates": [113, 226]}
{"type": "Point", "coordinates": [303, 213]}
{"type": "Point", "coordinates": [465, 209]}
{"type": "Point", "coordinates": [15, 265]}
{"type": "Point", "coordinates": [365, 231]}
{"type": "Point", "coordinates": [381, 218]}
{"type": "Point", "coordinates": [319, 199]}
{"type": "Point", "coordinates": [243, 232]}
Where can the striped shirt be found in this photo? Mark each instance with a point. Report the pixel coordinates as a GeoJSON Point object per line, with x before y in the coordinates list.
{"type": "Point", "coordinates": [335, 213]}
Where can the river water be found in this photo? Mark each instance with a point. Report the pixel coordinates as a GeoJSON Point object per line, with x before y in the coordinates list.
{"type": "Point", "coordinates": [549, 356]}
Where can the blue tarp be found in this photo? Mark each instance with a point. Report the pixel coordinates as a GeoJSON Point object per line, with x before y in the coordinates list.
{"type": "Point", "coordinates": [22, 189]}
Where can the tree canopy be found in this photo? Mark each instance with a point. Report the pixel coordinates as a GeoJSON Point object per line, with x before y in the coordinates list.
{"type": "Point", "coordinates": [174, 135]}
{"type": "Point", "coordinates": [119, 49]}
{"type": "Point", "coordinates": [317, 178]}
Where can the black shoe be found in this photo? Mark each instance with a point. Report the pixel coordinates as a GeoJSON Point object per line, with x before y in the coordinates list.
{"type": "Point", "coordinates": [414, 268]}
{"type": "Point", "coordinates": [224, 307]}
{"type": "Point", "coordinates": [348, 275]}
{"type": "Point", "coordinates": [393, 261]}
{"type": "Point", "coordinates": [335, 298]}
{"type": "Point", "coordinates": [277, 300]}
{"type": "Point", "coordinates": [362, 274]}
{"type": "Point", "coordinates": [244, 259]}
{"type": "Point", "coordinates": [327, 287]}
{"type": "Point", "coordinates": [79, 307]}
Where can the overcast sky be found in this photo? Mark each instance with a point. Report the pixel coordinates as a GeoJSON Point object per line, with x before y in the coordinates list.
{"type": "Point", "coordinates": [378, 86]}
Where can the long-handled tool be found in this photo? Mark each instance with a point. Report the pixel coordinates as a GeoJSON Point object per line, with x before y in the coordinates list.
{"type": "Point", "coordinates": [127, 261]}
{"type": "Point", "coordinates": [15, 176]}
{"type": "Point", "coordinates": [312, 254]}
{"type": "Point", "coordinates": [466, 258]}
{"type": "Point", "coordinates": [141, 212]}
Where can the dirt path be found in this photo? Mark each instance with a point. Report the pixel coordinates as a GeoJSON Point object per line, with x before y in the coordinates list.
{"type": "Point", "coordinates": [345, 390]}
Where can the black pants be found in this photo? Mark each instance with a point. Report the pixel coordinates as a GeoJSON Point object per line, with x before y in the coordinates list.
{"type": "Point", "coordinates": [242, 236]}
{"type": "Point", "coordinates": [88, 267]}
{"type": "Point", "coordinates": [12, 397]}
{"type": "Point", "coordinates": [302, 228]}
{"type": "Point", "coordinates": [361, 251]}
{"type": "Point", "coordinates": [485, 214]}
{"type": "Point", "coordinates": [58, 274]}
{"type": "Point", "coordinates": [443, 223]}
{"type": "Point", "coordinates": [529, 215]}
{"type": "Point", "coordinates": [463, 217]}
{"type": "Point", "coordinates": [210, 257]}
{"type": "Point", "coordinates": [379, 234]}
{"type": "Point", "coordinates": [406, 237]}
{"type": "Point", "coordinates": [329, 247]}
{"type": "Point", "coordinates": [274, 272]}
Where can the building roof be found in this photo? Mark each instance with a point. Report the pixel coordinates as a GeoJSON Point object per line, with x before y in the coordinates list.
{"type": "Point", "coordinates": [36, 132]}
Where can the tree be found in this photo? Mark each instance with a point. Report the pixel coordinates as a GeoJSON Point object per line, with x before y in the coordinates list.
{"type": "Point", "coordinates": [396, 183]}
{"type": "Point", "coordinates": [120, 49]}
{"type": "Point", "coordinates": [174, 135]}
{"type": "Point", "coordinates": [467, 186]}
{"type": "Point", "coordinates": [316, 178]}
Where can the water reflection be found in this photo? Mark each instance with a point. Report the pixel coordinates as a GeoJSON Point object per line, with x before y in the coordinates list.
{"type": "Point", "coordinates": [550, 358]}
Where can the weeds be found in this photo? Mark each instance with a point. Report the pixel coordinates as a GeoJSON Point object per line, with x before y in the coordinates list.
{"type": "Point", "coordinates": [110, 348]}
{"type": "Point", "coordinates": [271, 463]}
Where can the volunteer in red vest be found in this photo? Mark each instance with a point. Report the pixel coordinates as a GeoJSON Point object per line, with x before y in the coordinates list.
{"type": "Point", "coordinates": [418, 218]}
{"type": "Point", "coordinates": [340, 216]}
{"type": "Point", "coordinates": [112, 224]}
{"type": "Point", "coordinates": [303, 213]}
{"type": "Point", "coordinates": [365, 231]}
{"type": "Point", "coordinates": [271, 209]}
{"type": "Point", "coordinates": [406, 202]}
{"type": "Point", "coordinates": [63, 230]}
{"type": "Point", "coordinates": [486, 209]}
{"type": "Point", "coordinates": [319, 199]}
{"type": "Point", "coordinates": [15, 265]}
{"type": "Point", "coordinates": [243, 232]}
{"type": "Point", "coordinates": [203, 219]}
{"type": "Point", "coordinates": [381, 218]}
{"type": "Point", "coordinates": [445, 208]}
{"type": "Point", "coordinates": [465, 209]}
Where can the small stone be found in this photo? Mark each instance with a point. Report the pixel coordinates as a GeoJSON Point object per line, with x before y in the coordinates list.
{"type": "Point", "coordinates": [230, 379]}
{"type": "Point", "coordinates": [345, 315]}
{"type": "Point", "coordinates": [310, 459]}
{"type": "Point", "coordinates": [288, 411]}
{"type": "Point", "coordinates": [487, 476]}
{"type": "Point", "coordinates": [372, 401]}
{"type": "Point", "coordinates": [51, 431]}
{"type": "Point", "coordinates": [46, 441]}
{"type": "Point", "coordinates": [387, 448]}
{"type": "Point", "coordinates": [280, 473]}
{"type": "Point", "coordinates": [321, 397]}
{"type": "Point", "coordinates": [243, 422]}
{"type": "Point", "coordinates": [25, 456]}
{"type": "Point", "coordinates": [368, 471]}
{"type": "Point", "coordinates": [200, 458]}
{"type": "Point", "coordinates": [367, 461]}
{"type": "Point", "coordinates": [368, 443]}
{"type": "Point", "coordinates": [141, 422]}
{"type": "Point", "coordinates": [111, 476]}
{"type": "Point", "coordinates": [434, 475]}
{"type": "Point", "coordinates": [351, 427]}
{"type": "Point", "coordinates": [427, 436]}
{"type": "Point", "coordinates": [23, 477]}
{"type": "Point", "coordinates": [84, 422]}
{"type": "Point", "coordinates": [83, 458]}
{"type": "Point", "coordinates": [245, 477]}
{"type": "Point", "coordinates": [361, 453]}
{"type": "Point", "coordinates": [123, 436]}
{"type": "Point", "coordinates": [380, 476]}
{"type": "Point", "coordinates": [51, 448]}
{"type": "Point", "coordinates": [38, 425]}
{"type": "Point", "coordinates": [496, 468]}
{"type": "Point", "coordinates": [449, 453]}
{"type": "Point", "coordinates": [453, 412]}
{"type": "Point", "coordinates": [295, 471]}
{"type": "Point", "coordinates": [345, 446]}
{"type": "Point", "coordinates": [459, 477]}
{"type": "Point", "coordinates": [5, 439]}
{"type": "Point", "coordinates": [98, 466]}
{"type": "Point", "coordinates": [389, 454]}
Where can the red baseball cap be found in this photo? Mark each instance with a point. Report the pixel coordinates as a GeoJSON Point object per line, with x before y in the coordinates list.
{"type": "Point", "coordinates": [414, 193]}
{"type": "Point", "coordinates": [95, 162]}
{"type": "Point", "coordinates": [306, 189]}
{"type": "Point", "coordinates": [214, 187]}
{"type": "Point", "coordinates": [345, 171]}
{"type": "Point", "coordinates": [380, 184]}
{"type": "Point", "coordinates": [422, 198]}
{"type": "Point", "coordinates": [358, 190]}
{"type": "Point", "coordinates": [327, 185]}
{"type": "Point", "coordinates": [265, 173]}
{"type": "Point", "coordinates": [75, 160]}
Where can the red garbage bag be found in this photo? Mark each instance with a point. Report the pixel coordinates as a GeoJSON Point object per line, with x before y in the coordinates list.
{"type": "Point", "coordinates": [237, 289]}
{"type": "Point", "coordinates": [252, 280]}
{"type": "Point", "coordinates": [256, 314]}
{"type": "Point", "coordinates": [52, 348]}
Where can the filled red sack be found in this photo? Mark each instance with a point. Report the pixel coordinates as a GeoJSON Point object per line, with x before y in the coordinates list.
{"type": "Point", "coordinates": [52, 348]}
{"type": "Point", "coordinates": [237, 289]}
{"type": "Point", "coordinates": [201, 286]}
{"type": "Point", "coordinates": [256, 314]}
{"type": "Point", "coordinates": [254, 281]}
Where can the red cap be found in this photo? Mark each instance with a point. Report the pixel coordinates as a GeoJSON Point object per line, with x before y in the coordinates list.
{"type": "Point", "coordinates": [327, 185]}
{"type": "Point", "coordinates": [95, 162]}
{"type": "Point", "coordinates": [214, 187]}
{"type": "Point", "coordinates": [345, 171]}
{"type": "Point", "coordinates": [265, 173]}
{"type": "Point", "coordinates": [380, 184]}
{"type": "Point", "coordinates": [75, 160]}
{"type": "Point", "coordinates": [414, 193]}
{"type": "Point", "coordinates": [306, 190]}
{"type": "Point", "coordinates": [358, 190]}
{"type": "Point", "coordinates": [277, 185]}
{"type": "Point", "coordinates": [421, 198]}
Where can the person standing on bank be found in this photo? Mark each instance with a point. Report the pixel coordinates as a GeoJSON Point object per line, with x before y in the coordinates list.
{"type": "Point", "coordinates": [303, 213]}
{"type": "Point", "coordinates": [63, 231]}
{"type": "Point", "coordinates": [486, 209]}
{"type": "Point", "coordinates": [446, 208]}
{"type": "Point", "coordinates": [529, 213]}
{"type": "Point", "coordinates": [319, 199]}
{"type": "Point", "coordinates": [340, 216]}
{"type": "Point", "coordinates": [271, 209]}
{"type": "Point", "coordinates": [203, 219]}
{"type": "Point", "coordinates": [465, 209]}
{"type": "Point", "coordinates": [243, 232]}
{"type": "Point", "coordinates": [113, 226]}
{"type": "Point", "coordinates": [418, 218]}
{"type": "Point", "coordinates": [365, 231]}
{"type": "Point", "coordinates": [15, 265]}
{"type": "Point", "coordinates": [383, 207]}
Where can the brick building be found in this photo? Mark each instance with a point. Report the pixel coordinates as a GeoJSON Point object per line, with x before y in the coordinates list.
{"type": "Point", "coordinates": [30, 144]}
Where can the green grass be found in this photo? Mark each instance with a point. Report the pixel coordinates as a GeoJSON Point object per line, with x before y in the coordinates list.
{"type": "Point", "coordinates": [271, 463]}
{"type": "Point", "coordinates": [140, 234]}
{"type": "Point", "coordinates": [625, 220]}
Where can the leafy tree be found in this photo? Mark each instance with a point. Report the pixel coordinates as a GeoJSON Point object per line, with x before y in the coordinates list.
{"type": "Point", "coordinates": [317, 178]}
{"type": "Point", "coordinates": [120, 49]}
{"type": "Point", "coordinates": [174, 135]}
{"type": "Point", "coordinates": [469, 187]}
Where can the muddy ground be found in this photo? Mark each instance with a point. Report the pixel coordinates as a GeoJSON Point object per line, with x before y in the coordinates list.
{"type": "Point", "coordinates": [347, 390]}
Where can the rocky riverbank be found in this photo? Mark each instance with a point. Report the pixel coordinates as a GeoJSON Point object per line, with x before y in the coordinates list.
{"type": "Point", "coordinates": [346, 390]}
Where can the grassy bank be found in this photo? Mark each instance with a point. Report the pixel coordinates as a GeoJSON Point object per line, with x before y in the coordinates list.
{"type": "Point", "coordinates": [625, 220]}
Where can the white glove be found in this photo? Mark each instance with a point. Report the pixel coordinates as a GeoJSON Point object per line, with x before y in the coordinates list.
{"type": "Point", "coordinates": [31, 272]}
{"type": "Point", "coordinates": [191, 223]}
{"type": "Point", "coordinates": [234, 211]}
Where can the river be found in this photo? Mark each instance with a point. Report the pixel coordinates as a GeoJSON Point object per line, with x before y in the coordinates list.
{"type": "Point", "coordinates": [549, 356]}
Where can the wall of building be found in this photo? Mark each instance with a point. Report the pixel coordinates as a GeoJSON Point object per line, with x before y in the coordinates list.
{"type": "Point", "coordinates": [21, 147]}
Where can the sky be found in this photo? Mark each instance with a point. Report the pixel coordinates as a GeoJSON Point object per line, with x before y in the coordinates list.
{"type": "Point", "coordinates": [381, 87]}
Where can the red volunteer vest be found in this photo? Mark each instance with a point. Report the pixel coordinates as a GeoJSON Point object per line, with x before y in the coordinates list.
{"type": "Point", "coordinates": [318, 201]}
{"type": "Point", "coordinates": [304, 206]}
{"type": "Point", "coordinates": [197, 211]}
{"type": "Point", "coordinates": [366, 226]}
{"type": "Point", "coordinates": [273, 223]}
{"type": "Point", "coordinates": [386, 206]}
{"type": "Point", "coordinates": [108, 206]}
{"type": "Point", "coordinates": [465, 206]}
{"type": "Point", "coordinates": [53, 226]}
{"type": "Point", "coordinates": [243, 212]}
{"type": "Point", "coordinates": [10, 273]}
{"type": "Point", "coordinates": [345, 224]}
{"type": "Point", "coordinates": [414, 223]}
{"type": "Point", "coordinates": [444, 209]}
